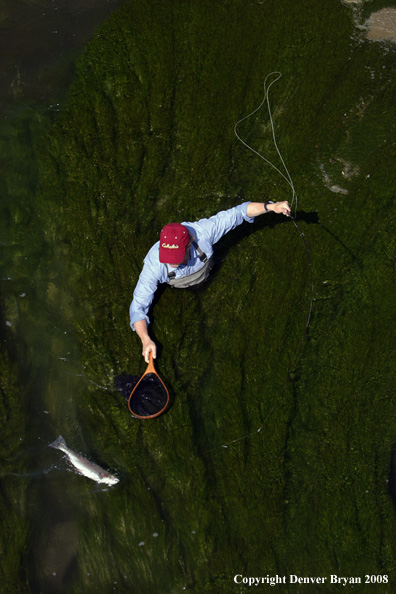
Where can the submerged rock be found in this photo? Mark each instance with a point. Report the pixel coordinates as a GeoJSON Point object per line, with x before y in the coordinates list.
{"type": "Point", "coordinates": [381, 26]}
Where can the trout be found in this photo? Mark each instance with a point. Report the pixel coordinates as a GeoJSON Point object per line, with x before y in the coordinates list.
{"type": "Point", "coordinates": [84, 466]}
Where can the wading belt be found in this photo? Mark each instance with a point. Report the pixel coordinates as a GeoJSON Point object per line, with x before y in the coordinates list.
{"type": "Point", "coordinates": [195, 277]}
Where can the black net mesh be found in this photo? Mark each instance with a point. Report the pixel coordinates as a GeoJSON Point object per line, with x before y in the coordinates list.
{"type": "Point", "coordinates": [150, 397]}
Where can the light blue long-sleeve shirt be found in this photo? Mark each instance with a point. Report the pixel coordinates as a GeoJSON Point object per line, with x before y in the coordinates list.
{"type": "Point", "coordinates": [206, 233]}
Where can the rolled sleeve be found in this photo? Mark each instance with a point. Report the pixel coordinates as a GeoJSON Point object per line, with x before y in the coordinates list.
{"type": "Point", "coordinates": [243, 208]}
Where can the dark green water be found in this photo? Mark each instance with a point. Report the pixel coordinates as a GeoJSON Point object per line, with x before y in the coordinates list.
{"type": "Point", "coordinates": [146, 138]}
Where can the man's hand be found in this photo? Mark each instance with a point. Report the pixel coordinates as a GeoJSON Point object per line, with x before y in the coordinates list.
{"type": "Point", "coordinates": [280, 208]}
{"type": "Point", "coordinates": [149, 345]}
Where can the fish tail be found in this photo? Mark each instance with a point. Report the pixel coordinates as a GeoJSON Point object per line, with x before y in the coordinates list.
{"type": "Point", "coordinates": [58, 444]}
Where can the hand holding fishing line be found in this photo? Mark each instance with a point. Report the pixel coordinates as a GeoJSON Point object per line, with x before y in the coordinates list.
{"type": "Point", "coordinates": [279, 207]}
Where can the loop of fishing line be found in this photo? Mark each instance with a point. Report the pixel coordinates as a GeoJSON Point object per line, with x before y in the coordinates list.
{"type": "Point", "coordinates": [287, 177]}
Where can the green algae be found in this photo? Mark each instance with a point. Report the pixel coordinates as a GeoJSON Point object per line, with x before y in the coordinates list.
{"type": "Point", "coordinates": [147, 137]}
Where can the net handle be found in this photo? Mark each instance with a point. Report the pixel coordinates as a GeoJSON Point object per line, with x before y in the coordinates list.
{"type": "Point", "coordinates": [150, 366]}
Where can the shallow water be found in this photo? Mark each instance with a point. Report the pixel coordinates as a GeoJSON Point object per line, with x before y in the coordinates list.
{"type": "Point", "coordinates": [41, 371]}
{"type": "Point", "coordinates": [264, 464]}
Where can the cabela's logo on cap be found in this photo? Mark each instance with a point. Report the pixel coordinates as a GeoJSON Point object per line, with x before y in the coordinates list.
{"type": "Point", "coordinates": [170, 247]}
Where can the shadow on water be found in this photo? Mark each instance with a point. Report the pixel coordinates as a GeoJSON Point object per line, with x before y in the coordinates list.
{"type": "Point", "coordinates": [334, 236]}
{"type": "Point", "coordinates": [239, 235]}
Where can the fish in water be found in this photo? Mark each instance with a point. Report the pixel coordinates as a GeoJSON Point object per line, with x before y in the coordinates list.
{"type": "Point", "coordinates": [84, 466]}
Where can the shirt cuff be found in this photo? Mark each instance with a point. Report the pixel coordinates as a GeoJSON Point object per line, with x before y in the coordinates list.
{"type": "Point", "coordinates": [243, 208]}
{"type": "Point", "coordinates": [136, 317]}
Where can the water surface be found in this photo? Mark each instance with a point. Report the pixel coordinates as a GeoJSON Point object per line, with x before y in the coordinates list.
{"type": "Point", "coordinates": [263, 465]}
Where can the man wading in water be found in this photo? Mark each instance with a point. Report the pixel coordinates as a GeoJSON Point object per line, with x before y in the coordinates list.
{"type": "Point", "coordinates": [182, 258]}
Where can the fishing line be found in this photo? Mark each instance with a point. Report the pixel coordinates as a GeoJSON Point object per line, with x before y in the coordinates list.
{"type": "Point", "coordinates": [287, 177]}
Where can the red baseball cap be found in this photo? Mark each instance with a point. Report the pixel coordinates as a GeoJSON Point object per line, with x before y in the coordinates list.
{"type": "Point", "coordinates": [174, 239]}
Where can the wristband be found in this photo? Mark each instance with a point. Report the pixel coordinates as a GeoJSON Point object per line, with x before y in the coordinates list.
{"type": "Point", "coordinates": [268, 202]}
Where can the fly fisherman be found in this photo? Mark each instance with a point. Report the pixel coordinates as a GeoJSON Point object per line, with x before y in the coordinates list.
{"type": "Point", "coordinates": [183, 258]}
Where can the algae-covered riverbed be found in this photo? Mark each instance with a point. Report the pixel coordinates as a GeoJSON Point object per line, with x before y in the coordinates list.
{"type": "Point", "coordinates": [147, 137]}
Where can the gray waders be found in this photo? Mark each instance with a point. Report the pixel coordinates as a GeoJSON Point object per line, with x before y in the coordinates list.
{"type": "Point", "coordinates": [194, 278]}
